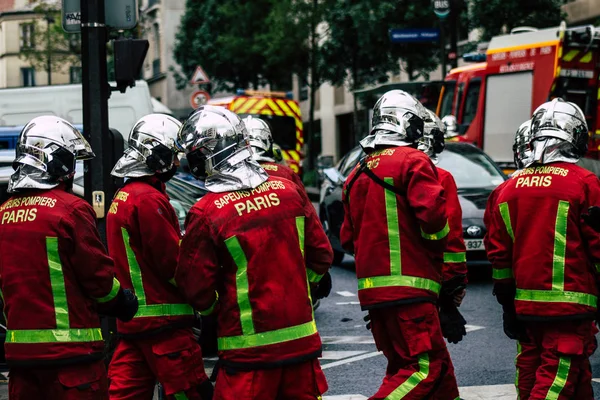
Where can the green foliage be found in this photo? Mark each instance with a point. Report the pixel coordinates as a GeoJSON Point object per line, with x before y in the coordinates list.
{"type": "Point", "coordinates": [242, 43]}
{"type": "Point", "coordinates": [50, 41]}
{"type": "Point", "coordinates": [495, 17]}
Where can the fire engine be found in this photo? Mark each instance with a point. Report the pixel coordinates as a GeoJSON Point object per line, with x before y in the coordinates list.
{"type": "Point", "coordinates": [280, 111]}
{"type": "Point", "coordinates": [521, 71]}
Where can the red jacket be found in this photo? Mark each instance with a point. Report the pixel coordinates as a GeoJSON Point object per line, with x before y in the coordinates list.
{"type": "Point", "coordinates": [55, 272]}
{"type": "Point", "coordinates": [455, 255]}
{"type": "Point", "coordinates": [143, 238]}
{"type": "Point", "coordinates": [536, 240]}
{"type": "Point", "coordinates": [282, 171]}
{"type": "Point", "coordinates": [398, 240]}
{"type": "Point", "coordinates": [258, 249]}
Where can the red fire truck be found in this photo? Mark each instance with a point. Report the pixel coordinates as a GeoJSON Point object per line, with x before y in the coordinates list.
{"type": "Point", "coordinates": [521, 71]}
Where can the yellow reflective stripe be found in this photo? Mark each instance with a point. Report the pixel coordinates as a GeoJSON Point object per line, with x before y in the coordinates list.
{"type": "Point", "coordinates": [210, 309]}
{"type": "Point", "coordinates": [313, 277]}
{"type": "Point", "coordinates": [505, 273]}
{"type": "Point", "coordinates": [300, 231]}
{"type": "Point", "coordinates": [134, 269]}
{"type": "Point", "coordinates": [53, 335]}
{"type": "Point", "coordinates": [505, 213]}
{"type": "Point", "coordinates": [519, 350]}
{"type": "Point", "coordinates": [57, 282]}
{"type": "Point", "coordinates": [562, 373]}
{"type": "Point", "coordinates": [570, 55]}
{"type": "Point", "coordinates": [586, 58]}
{"type": "Point", "coordinates": [459, 257]}
{"type": "Point", "coordinates": [267, 338]}
{"type": "Point", "coordinates": [180, 396]}
{"type": "Point", "coordinates": [393, 230]}
{"type": "Point", "coordinates": [164, 310]}
{"type": "Point", "coordinates": [556, 297]}
{"type": "Point", "coordinates": [560, 246]}
{"type": "Point", "coordinates": [409, 281]}
{"type": "Point", "coordinates": [438, 235]}
{"type": "Point", "coordinates": [417, 377]}
{"type": "Point", "coordinates": [241, 283]}
{"type": "Point", "coordinates": [114, 291]}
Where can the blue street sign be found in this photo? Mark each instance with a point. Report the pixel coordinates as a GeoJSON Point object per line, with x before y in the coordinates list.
{"type": "Point", "coordinates": [414, 35]}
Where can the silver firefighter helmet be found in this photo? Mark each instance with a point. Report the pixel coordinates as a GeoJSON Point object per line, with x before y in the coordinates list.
{"type": "Point", "coordinates": [521, 147]}
{"type": "Point", "coordinates": [451, 125]}
{"type": "Point", "coordinates": [47, 150]}
{"type": "Point", "coordinates": [260, 138]}
{"type": "Point", "coordinates": [398, 120]}
{"type": "Point", "coordinates": [152, 147]}
{"type": "Point", "coordinates": [559, 132]}
{"type": "Point", "coordinates": [215, 141]}
{"type": "Point", "coordinates": [432, 143]}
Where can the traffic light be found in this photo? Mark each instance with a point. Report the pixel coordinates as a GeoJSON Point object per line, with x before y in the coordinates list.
{"type": "Point", "coordinates": [129, 59]}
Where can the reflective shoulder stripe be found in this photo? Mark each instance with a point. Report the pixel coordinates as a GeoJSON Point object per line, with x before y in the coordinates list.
{"type": "Point", "coordinates": [57, 281]}
{"type": "Point", "coordinates": [391, 213]}
{"type": "Point", "coordinates": [504, 212]}
{"type": "Point", "coordinates": [417, 377]}
{"type": "Point", "coordinates": [241, 283]}
{"type": "Point", "coordinates": [53, 335]}
{"type": "Point", "coordinates": [112, 294]}
{"type": "Point", "coordinates": [402, 280]}
{"type": "Point", "coordinates": [562, 374]}
{"type": "Point", "coordinates": [134, 269]}
{"type": "Point", "coordinates": [551, 296]}
{"type": "Point", "coordinates": [560, 246]}
{"type": "Point", "coordinates": [210, 309]}
{"type": "Point", "coordinates": [438, 235]}
{"type": "Point", "coordinates": [460, 257]}
{"type": "Point", "coordinates": [505, 273]}
{"type": "Point", "coordinates": [267, 338]}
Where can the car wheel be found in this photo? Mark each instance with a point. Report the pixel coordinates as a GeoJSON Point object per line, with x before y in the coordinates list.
{"type": "Point", "coordinates": [338, 257]}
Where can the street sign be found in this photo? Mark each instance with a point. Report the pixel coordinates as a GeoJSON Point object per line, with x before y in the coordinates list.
{"type": "Point", "coordinates": [120, 14]}
{"type": "Point", "coordinates": [441, 8]}
{"type": "Point", "coordinates": [199, 98]}
{"type": "Point", "coordinates": [199, 77]}
{"type": "Point", "coordinates": [414, 35]}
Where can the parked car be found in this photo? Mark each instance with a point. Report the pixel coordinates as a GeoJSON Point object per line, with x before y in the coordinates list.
{"type": "Point", "coordinates": [476, 176]}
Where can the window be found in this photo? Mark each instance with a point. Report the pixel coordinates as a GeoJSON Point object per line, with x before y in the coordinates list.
{"type": "Point", "coordinates": [471, 101]}
{"type": "Point", "coordinates": [75, 75]}
{"type": "Point", "coordinates": [448, 96]}
{"type": "Point", "coordinates": [27, 36]}
{"type": "Point", "coordinates": [27, 77]}
{"type": "Point", "coordinates": [459, 95]}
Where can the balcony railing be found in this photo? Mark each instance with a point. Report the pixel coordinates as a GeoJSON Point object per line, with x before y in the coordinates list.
{"type": "Point", "coordinates": [156, 67]}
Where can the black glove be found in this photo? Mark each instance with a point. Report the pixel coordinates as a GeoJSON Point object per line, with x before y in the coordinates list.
{"type": "Point", "coordinates": [592, 218]}
{"type": "Point", "coordinates": [323, 288]}
{"type": "Point", "coordinates": [452, 323]}
{"type": "Point", "coordinates": [513, 328]}
{"type": "Point", "coordinates": [449, 289]}
{"type": "Point", "coordinates": [126, 306]}
{"type": "Point", "coordinates": [367, 319]}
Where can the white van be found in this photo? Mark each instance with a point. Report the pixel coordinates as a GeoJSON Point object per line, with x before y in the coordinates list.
{"type": "Point", "coordinates": [19, 105]}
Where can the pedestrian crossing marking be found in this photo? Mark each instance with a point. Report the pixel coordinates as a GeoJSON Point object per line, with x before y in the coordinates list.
{"type": "Point", "coordinates": [348, 340]}
{"type": "Point", "coordinates": [345, 293]}
{"type": "Point", "coordinates": [495, 392]}
{"type": "Point", "coordinates": [338, 355]}
{"type": "Point", "coordinates": [348, 303]}
{"type": "Point", "coordinates": [472, 328]}
{"type": "Point", "coordinates": [351, 359]}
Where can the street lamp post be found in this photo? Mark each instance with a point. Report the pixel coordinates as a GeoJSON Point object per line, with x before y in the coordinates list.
{"type": "Point", "coordinates": [49, 21]}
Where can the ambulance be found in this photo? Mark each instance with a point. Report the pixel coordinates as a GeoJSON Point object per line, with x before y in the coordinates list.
{"type": "Point", "coordinates": [282, 113]}
{"type": "Point", "coordinates": [519, 72]}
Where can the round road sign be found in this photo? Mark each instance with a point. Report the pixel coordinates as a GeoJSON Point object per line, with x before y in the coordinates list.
{"type": "Point", "coordinates": [441, 8]}
{"type": "Point", "coordinates": [199, 98]}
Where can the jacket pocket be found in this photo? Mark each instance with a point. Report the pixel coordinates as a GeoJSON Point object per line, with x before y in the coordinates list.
{"type": "Point", "coordinates": [420, 327]}
{"type": "Point", "coordinates": [84, 383]}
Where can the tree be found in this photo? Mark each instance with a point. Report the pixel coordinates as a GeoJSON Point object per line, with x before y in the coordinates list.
{"type": "Point", "coordinates": [49, 47]}
{"type": "Point", "coordinates": [495, 17]}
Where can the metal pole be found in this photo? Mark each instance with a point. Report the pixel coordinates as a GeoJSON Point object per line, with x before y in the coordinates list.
{"type": "Point", "coordinates": [96, 92]}
{"type": "Point", "coordinates": [48, 50]}
{"type": "Point", "coordinates": [443, 48]}
{"type": "Point", "coordinates": [455, 7]}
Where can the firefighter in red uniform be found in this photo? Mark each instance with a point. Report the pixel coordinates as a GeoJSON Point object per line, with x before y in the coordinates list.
{"type": "Point", "coordinates": [55, 272]}
{"type": "Point", "coordinates": [544, 257]}
{"type": "Point", "coordinates": [143, 238]}
{"type": "Point", "coordinates": [251, 248]}
{"type": "Point", "coordinates": [261, 142]}
{"type": "Point", "coordinates": [454, 271]}
{"type": "Point", "coordinates": [396, 226]}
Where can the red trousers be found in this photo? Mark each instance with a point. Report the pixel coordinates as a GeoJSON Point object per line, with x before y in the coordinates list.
{"type": "Point", "coordinates": [173, 359]}
{"type": "Point", "coordinates": [555, 363]}
{"type": "Point", "coordinates": [304, 381]}
{"type": "Point", "coordinates": [75, 382]}
{"type": "Point", "coordinates": [419, 365]}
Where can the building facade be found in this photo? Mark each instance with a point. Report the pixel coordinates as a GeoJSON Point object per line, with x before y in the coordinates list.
{"type": "Point", "coordinates": [160, 23]}
{"type": "Point", "coordinates": [582, 12]}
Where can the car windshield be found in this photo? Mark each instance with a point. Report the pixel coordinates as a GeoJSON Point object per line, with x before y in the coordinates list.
{"type": "Point", "coordinates": [470, 167]}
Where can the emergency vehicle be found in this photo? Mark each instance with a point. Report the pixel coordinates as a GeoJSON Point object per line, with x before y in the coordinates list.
{"type": "Point", "coordinates": [281, 111]}
{"type": "Point", "coordinates": [521, 71]}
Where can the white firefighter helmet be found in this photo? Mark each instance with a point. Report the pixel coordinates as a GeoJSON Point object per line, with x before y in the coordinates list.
{"type": "Point", "coordinates": [432, 143]}
{"type": "Point", "coordinates": [521, 147]}
{"type": "Point", "coordinates": [260, 138]}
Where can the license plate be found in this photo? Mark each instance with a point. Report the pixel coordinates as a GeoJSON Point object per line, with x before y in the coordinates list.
{"type": "Point", "coordinates": [577, 73]}
{"type": "Point", "coordinates": [474, 244]}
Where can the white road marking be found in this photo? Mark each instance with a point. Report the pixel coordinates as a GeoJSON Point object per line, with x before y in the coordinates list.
{"type": "Point", "coordinates": [346, 397]}
{"type": "Point", "coordinates": [351, 359]}
{"type": "Point", "coordinates": [346, 294]}
{"type": "Point", "coordinates": [338, 355]}
{"type": "Point", "coordinates": [472, 328]}
{"type": "Point", "coordinates": [348, 303]}
{"type": "Point", "coordinates": [597, 380]}
{"type": "Point", "coordinates": [490, 392]}
{"type": "Point", "coordinates": [348, 340]}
